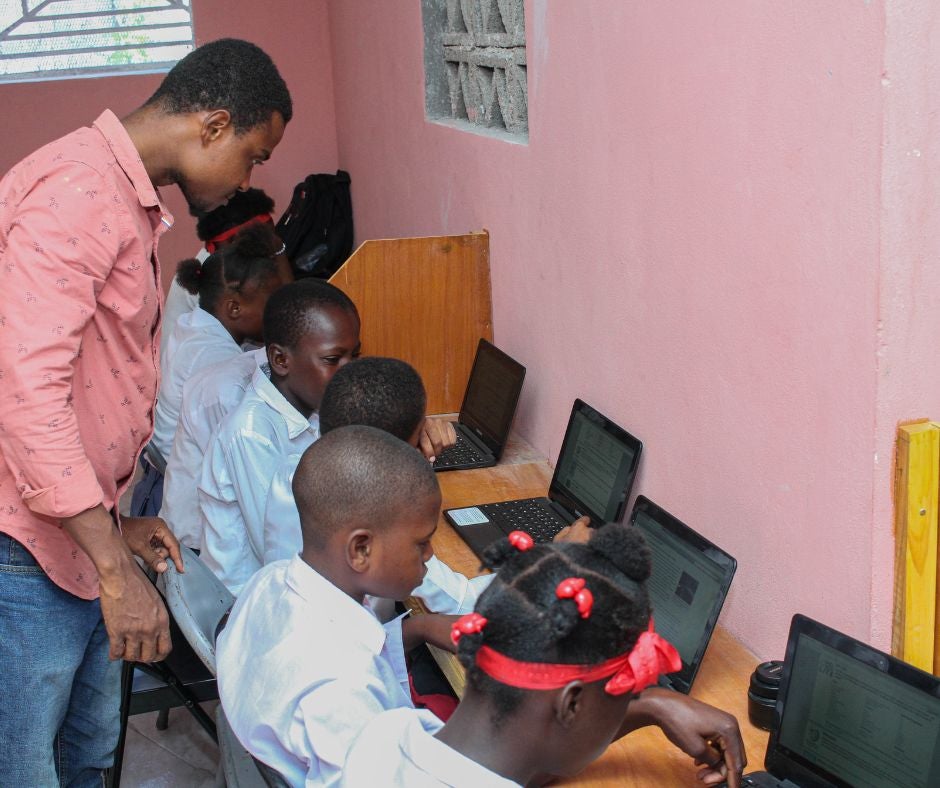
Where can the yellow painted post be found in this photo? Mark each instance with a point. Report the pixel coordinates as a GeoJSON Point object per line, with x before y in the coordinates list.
{"type": "Point", "coordinates": [917, 491]}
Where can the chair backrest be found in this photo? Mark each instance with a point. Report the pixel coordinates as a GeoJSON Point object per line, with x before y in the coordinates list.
{"type": "Point", "coordinates": [197, 601]}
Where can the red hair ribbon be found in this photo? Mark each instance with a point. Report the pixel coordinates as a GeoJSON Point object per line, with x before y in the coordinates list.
{"type": "Point", "coordinates": [574, 588]}
{"type": "Point", "coordinates": [651, 656]}
{"type": "Point", "coordinates": [213, 243]}
{"type": "Point", "coordinates": [469, 624]}
{"type": "Point", "coordinates": [521, 540]}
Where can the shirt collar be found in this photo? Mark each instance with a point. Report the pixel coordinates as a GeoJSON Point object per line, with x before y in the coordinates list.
{"type": "Point", "coordinates": [356, 620]}
{"type": "Point", "coordinates": [128, 158]}
{"type": "Point", "coordinates": [202, 320]}
{"type": "Point", "coordinates": [296, 423]}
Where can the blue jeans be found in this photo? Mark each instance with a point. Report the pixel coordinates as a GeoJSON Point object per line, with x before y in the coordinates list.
{"type": "Point", "coordinates": [59, 692]}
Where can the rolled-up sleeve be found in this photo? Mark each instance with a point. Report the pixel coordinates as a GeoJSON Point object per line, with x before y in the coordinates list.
{"type": "Point", "coordinates": [53, 268]}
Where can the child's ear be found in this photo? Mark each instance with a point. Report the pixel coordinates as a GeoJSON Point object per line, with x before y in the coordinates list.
{"type": "Point", "coordinates": [279, 360]}
{"type": "Point", "coordinates": [359, 550]}
{"type": "Point", "coordinates": [569, 702]}
{"type": "Point", "coordinates": [233, 308]}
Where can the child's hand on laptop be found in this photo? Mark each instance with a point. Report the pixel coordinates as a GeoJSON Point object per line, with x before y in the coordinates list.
{"type": "Point", "coordinates": [579, 531]}
{"type": "Point", "coordinates": [436, 435]}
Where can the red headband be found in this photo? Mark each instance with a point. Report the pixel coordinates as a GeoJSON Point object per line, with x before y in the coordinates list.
{"type": "Point", "coordinates": [651, 656]}
{"type": "Point", "coordinates": [213, 243]}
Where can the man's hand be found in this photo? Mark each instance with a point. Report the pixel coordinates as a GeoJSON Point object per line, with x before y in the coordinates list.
{"type": "Point", "coordinates": [134, 615]}
{"type": "Point", "coordinates": [436, 435]}
{"type": "Point", "coordinates": [150, 539]}
{"type": "Point", "coordinates": [433, 628]}
{"type": "Point", "coordinates": [578, 532]}
{"type": "Point", "coordinates": [710, 736]}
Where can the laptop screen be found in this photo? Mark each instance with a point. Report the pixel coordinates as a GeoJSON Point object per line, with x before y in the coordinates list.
{"type": "Point", "coordinates": [596, 466]}
{"type": "Point", "coordinates": [687, 587]}
{"type": "Point", "coordinates": [492, 393]}
{"type": "Point", "coordinates": [858, 717]}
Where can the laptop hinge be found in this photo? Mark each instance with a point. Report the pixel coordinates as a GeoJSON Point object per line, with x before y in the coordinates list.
{"type": "Point", "coordinates": [561, 511]}
{"type": "Point", "coordinates": [471, 436]}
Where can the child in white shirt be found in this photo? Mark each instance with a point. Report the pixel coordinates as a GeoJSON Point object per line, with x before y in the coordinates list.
{"type": "Point", "coordinates": [303, 663]}
{"type": "Point", "coordinates": [233, 286]}
{"type": "Point", "coordinates": [215, 230]}
{"type": "Point", "coordinates": [561, 659]}
{"type": "Point", "coordinates": [311, 329]}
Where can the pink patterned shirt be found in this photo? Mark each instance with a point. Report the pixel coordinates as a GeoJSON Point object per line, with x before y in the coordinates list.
{"type": "Point", "coordinates": [80, 306]}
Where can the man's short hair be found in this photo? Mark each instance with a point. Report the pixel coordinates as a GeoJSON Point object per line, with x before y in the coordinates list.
{"type": "Point", "coordinates": [226, 74]}
{"type": "Point", "coordinates": [287, 314]}
{"type": "Point", "coordinates": [385, 393]}
{"type": "Point", "coordinates": [358, 476]}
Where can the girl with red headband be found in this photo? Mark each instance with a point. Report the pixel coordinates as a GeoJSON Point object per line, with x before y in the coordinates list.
{"type": "Point", "coordinates": [562, 658]}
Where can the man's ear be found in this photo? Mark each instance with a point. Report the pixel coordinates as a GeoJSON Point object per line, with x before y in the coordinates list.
{"type": "Point", "coordinates": [359, 550]}
{"type": "Point", "coordinates": [569, 703]}
{"type": "Point", "coordinates": [214, 125]}
{"type": "Point", "coordinates": [279, 359]}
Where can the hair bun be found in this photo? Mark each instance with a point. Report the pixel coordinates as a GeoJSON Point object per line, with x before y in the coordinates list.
{"type": "Point", "coordinates": [498, 553]}
{"type": "Point", "coordinates": [625, 548]}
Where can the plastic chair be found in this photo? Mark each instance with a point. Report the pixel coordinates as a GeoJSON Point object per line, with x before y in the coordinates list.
{"type": "Point", "coordinates": [238, 767]}
{"type": "Point", "coordinates": [197, 600]}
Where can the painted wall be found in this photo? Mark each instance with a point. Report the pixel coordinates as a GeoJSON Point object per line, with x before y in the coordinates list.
{"type": "Point", "coordinates": [37, 112]}
{"type": "Point", "coordinates": [691, 242]}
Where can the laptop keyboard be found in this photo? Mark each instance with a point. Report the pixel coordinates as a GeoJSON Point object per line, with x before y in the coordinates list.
{"type": "Point", "coordinates": [530, 515]}
{"type": "Point", "coordinates": [461, 453]}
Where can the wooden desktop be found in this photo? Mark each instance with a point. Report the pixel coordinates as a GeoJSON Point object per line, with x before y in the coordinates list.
{"type": "Point", "coordinates": [644, 758]}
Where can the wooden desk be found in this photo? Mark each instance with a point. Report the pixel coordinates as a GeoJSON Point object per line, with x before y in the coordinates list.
{"type": "Point", "coordinates": [645, 758]}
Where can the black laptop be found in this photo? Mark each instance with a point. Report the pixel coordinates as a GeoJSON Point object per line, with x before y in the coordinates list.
{"type": "Point", "coordinates": [489, 403]}
{"type": "Point", "coordinates": [690, 580]}
{"type": "Point", "coordinates": [595, 471]}
{"type": "Point", "coordinates": [850, 715]}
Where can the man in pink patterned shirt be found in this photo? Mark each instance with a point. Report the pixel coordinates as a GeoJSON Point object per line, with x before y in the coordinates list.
{"type": "Point", "coordinates": [80, 310]}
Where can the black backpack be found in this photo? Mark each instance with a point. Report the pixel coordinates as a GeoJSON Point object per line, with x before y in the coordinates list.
{"type": "Point", "coordinates": [317, 227]}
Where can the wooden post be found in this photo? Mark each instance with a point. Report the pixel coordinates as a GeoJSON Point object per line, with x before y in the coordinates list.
{"type": "Point", "coordinates": [916, 500]}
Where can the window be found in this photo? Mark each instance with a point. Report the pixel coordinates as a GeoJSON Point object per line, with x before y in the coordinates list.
{"type": "Point", "coordinates": [475, 65]}
{"type": "Point", "coordinates": [49, 39]}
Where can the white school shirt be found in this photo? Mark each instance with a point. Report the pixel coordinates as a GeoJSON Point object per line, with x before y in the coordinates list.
{"type": "Point", "coordinates": [443, 590]}
{"type": "Point", "coordinates": [199, 340]}
{"type": "Point", "coordinates": [246, 450]}
{"type": "Point", "coordinates": [398, 748]}
{"type": "Point", "coordinates": [302, 667]}
{"type": "Point", "coordinates": [207, 397]}
{"type": "Point", "coordinates": [178, 302]}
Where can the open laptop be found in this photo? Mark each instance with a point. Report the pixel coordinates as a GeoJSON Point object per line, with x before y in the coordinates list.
{"type": "Point", "coordinates": [595, 471]}
{"type": "Point", "coordinates": [687, 588]}
{"type": "Point", "coordinates": [850, 715]}
{"type": "Point", "coordinates": [489, 403]}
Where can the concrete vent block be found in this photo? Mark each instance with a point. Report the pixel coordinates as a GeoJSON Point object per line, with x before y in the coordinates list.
{"type": "Point", "coordinates": [475, 63]}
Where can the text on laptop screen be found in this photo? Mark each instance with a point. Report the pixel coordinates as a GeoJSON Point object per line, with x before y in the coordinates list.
{"type": "Point", "coordinates": [683, 587]}
{"type": "Point", "coordinates": [595, 467]}
{"type": "Point", "coordinates": [861, 725]}
{"type": "Point", "coordinates": [492, 392]}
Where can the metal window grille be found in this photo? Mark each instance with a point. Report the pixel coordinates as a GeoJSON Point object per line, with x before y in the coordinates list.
{"type": "Point", "coordinates": [49, 39]}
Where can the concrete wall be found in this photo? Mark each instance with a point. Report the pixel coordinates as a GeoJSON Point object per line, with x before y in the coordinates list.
{"type": "Point", "coordinates": [692, 242]}
{"type": "Point", "coordinates": [37, 112]}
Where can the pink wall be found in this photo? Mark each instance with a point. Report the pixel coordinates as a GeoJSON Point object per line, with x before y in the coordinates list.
{"type": "Point", "coordinates": [37, 112]}
{"type": "Point", "coordinates": [908, 326]}
{"type": "Point", "coordinates": [690, 241]}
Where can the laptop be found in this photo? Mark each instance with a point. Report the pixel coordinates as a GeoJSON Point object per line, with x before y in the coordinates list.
{"type": "Point", "coordinates": [489, 403]}
{"type": "Point", "coordinates": [850, 715]}
{"type": "Point", "coordinates": [595, 471]}
{"type": "Point", "coordinates": [687, 588]}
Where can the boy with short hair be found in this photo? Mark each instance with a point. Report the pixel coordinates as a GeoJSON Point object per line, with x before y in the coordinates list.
{"type": "Point", "coordinates": [311, 329]}
{"type": "Point", "coordinates": [303, 663]}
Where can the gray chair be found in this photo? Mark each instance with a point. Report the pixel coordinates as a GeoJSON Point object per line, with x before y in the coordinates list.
{"type": "Point", "coordinates": [197, 600]}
